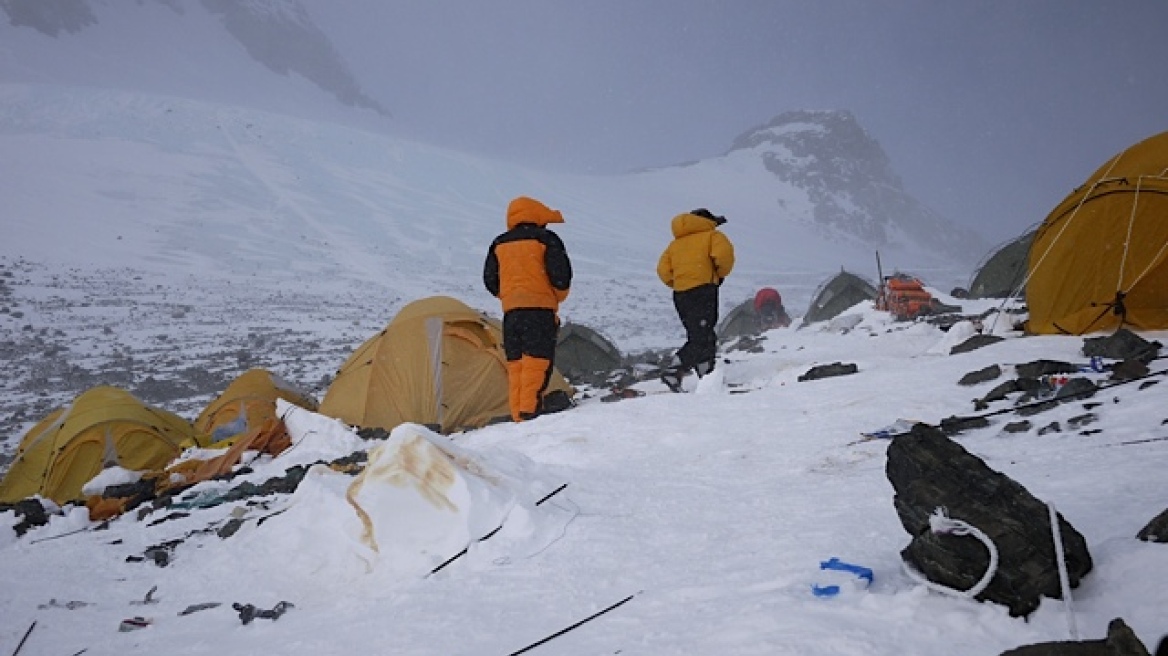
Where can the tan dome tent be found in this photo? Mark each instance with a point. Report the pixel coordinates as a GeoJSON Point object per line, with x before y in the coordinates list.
{"type": "Point", "coordinates": [438, 363]}
{"type": "Point", "coordinates": [839, 293]}
{"type": "Point", "coordinates": [246, 404]}
{"type": "Point", "coordinates": [1100, 259]}
{"type": "Point", "coordinates": [582, 352]}
{"type": "Point", "coordinates": [103, 427]}
{"type": "Point", "coordinates": [1003, 271]}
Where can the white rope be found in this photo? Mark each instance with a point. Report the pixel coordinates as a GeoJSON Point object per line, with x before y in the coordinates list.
{"type": "Point", "coordinates": [1131, 221]}
{"type": "Point", "coordinates": [1154, 259]}
{"type": "Point", "coordinates": [940, 523]}
{"type": "Point", "coordinates": [1031, 269]}
{"type": "Point", "coordinates": [1064, 579]}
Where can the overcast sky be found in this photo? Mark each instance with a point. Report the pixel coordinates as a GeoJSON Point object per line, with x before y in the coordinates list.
{"type": "Point", "coordinates": [991, 110]}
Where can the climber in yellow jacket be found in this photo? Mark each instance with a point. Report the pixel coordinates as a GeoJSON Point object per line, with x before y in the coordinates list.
{"type": "Point", "coordinates": [694, 265]}
{"type": "Point", "coordinates": [528, 270]}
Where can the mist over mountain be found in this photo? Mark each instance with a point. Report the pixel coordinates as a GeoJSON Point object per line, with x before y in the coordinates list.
{"type": "Point", "coordinates": [206, 45]}
{"type": "Point", "coordinates": [182, 134]}
{"type": "Point", "coordinates": [850, 181]}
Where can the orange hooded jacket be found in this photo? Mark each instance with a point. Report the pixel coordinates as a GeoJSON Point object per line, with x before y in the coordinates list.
{"type": "Point", "coordinates": [527, 267]}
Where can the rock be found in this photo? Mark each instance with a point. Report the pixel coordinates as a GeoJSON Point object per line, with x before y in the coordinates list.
{"type": "Point", "coordinates": [1076, 388]}
{"type": "Point", "coordinates": [829, 370]}
{"type": "Point", "coordinates": [1052, 427]}
{"type": "Point", "coordinates": [1001, 391]}
{"type": "Point", "coordinates": [975, 342]}
{"type": "Point", "coordinates": [1044, 368]}
{"type": "Point", "coordinates": [981, 375]}
{"type": "Point", "coordinates": [1120, 641]}
{"type": "Point", "coordinates": [930, 471]}
{"type": "Point", "coordinates": [1156, 530]}
{"type": "Point", "coordinates": [1017, 426]}
{"type": "Point", "coordinates": [1123, 345]}
{"type": "Point", "coordinates": [954, 425]}
{"type": "Point", "coordinates": [1129, 370]}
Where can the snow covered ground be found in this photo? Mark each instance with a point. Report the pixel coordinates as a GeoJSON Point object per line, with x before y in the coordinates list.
{"type": "Point", "coordinates": [712, 510]}
{"type": "Point", "coordinates": [165, 246]}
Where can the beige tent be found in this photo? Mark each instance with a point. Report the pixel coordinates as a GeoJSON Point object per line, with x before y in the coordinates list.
{"type": "Point", "coordinates": [1100, 259]}
{"type": "Point", "coordinates": [438, 363]}
{"type": "Point", "coordinates": [248, 402]}
{"type": "Point", "coordinates": [102, 428]}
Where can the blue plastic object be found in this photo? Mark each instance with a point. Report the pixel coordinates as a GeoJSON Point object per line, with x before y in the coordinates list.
{"type": "Point", "coordinates": [860, 572]}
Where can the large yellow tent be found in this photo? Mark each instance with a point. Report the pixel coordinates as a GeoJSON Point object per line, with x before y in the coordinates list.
{"type": "Point", "coordinates": [1100, 259]}
{"type": "Point", "coordinates": [245, 405]}
{"type": "Point", "coordinates": [438, 363]}
{"type": "Point", "coordinates": [103, 427]}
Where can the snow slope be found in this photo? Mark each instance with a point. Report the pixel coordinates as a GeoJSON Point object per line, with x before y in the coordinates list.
{"type": "Point", "coordinates": [711, 509]}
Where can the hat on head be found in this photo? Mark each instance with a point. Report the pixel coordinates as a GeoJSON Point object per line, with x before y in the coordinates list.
{"type": "Point", "coordinates": [707, 214]}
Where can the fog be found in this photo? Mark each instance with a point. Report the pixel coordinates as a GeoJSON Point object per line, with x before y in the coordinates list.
{"type": "Point", "coordinates": [991, 111]}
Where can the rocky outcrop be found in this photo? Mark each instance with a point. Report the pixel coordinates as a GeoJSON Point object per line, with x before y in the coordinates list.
{"type": "Point", "coordinates": [929, 471]}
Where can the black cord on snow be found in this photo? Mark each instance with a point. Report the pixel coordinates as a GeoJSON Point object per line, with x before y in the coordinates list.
{"type": "Point", "coordinates": [62, 535]}
{"type": "Point", "coordinates": [22, 640]}
{"type": "Point", "coordinates": [1069, 397]}
{"type": "Point", "coordinates": [577, 624]}
{"type": "Point", "coordinates": [488, 535]}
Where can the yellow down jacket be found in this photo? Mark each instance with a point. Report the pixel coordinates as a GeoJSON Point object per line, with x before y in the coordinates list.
{"type": "Point", "coordinates": [699, 254]}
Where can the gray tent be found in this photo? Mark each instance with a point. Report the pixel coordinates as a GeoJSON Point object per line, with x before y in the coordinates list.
{"type": "Point", "coordinates": [740, 321]}
{"type": "Point", "coordinates": [838, 294]}
{"type": "Point", "coordinates": [1003, 271]}
{"type": "Point", "coordinates": [581, 352]}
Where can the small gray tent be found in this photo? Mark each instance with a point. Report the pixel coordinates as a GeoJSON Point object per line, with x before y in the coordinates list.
{"type": "Point", "coordinates": [838, 294]}
{"type": "Point", "coordinates": [582, 353]}
{"type": "Point", "coordinates": [740, 321]}
{"type": "Point", "coordinates": [1003, 271]}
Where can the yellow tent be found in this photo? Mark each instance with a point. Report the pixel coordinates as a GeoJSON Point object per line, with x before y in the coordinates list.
{"type": "Point", "coordinates": [246, 404]}
{"type": "Point", "coordinates": [438, 363]}
{"type": "Point", "coordinates": [103, 427]}
{"type": "Point", "coordinates": [1100, 259]}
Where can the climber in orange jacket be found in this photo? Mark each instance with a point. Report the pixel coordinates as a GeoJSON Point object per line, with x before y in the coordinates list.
{"type": "Point", "coordinates": [528, 270]}
{"type": "Point", "coordinates": [694, 265]}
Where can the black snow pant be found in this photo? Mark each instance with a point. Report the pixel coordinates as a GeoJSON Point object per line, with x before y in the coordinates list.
{"type": "Point", "coordinates": [529, 342]}
{"type": "Point", "coordinates": [698, 310]}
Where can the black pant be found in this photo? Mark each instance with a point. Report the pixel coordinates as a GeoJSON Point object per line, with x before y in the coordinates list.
{"type": "Point", "coordinates": [529, 343]}
{"type": "Point", "coordinates": [530, 332]}
{"type": "Point", "coordinates": [698, 310]}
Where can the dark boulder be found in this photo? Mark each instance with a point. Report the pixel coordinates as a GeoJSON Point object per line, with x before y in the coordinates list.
{"type": "Point", "coordinates": [974, 343]}
{"type": "Point", "coordinates": [1039, 368]}
{"type": "Point", "coordinates": [929, 471]}
{"type": "Point", "coordinates": [1129, 370]}
{"type": "Point", "coordinates": [31, 512]}
{"type": "Point", "coordinates": [1156, 530]}
{"type": "Point", "coordinates": [1076, 388]}
{"type": "Point", "coordinates": [1120, 641]}
{"type": "Point", "coordinates": [829, 370]}
{"type": "Point", "coordinates": [1122, 345]}
{"type": "Point", "coordinates": [954, 424]}
{"type": "Point", "coordinates": [981, 375]}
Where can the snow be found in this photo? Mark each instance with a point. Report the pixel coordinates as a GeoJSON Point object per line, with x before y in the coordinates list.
{"type": "Point", "coordinates": [714, 510]}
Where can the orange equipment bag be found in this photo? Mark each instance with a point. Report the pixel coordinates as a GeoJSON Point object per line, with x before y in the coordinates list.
{"type": "Point", "coordinates": [904, 297]}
